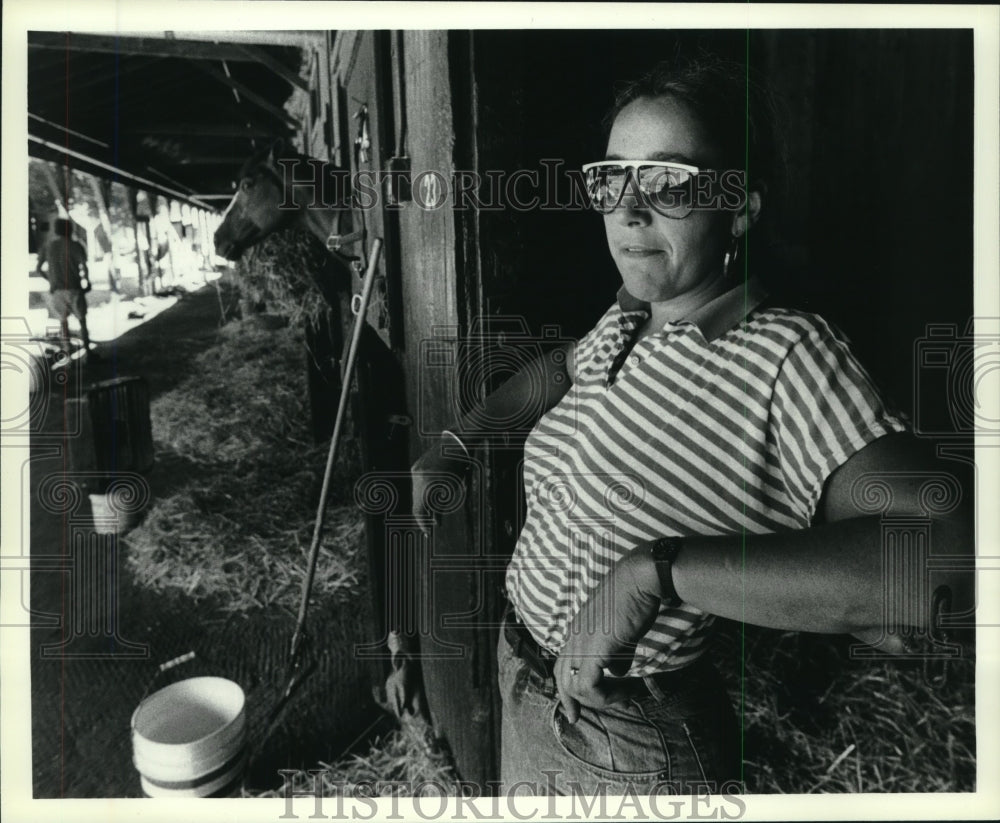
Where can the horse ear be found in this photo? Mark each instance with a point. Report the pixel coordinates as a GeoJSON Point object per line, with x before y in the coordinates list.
{"type": "Point", "coordinates": [277, 150]}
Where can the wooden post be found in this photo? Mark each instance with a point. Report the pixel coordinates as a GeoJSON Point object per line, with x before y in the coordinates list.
{"type": "Point", "coordinates": [151, 259]}
{"type": "Point", "coordinates": [188, 235]}
{"type": "Point", "coordinates": [102, 198]}
{"type": "Point", "coordinates": [58, 193]}
{"type": "Point", "coordinates": [168, 228]}
{"type": "Point", "coordinates": [140, 258]}
{"type": "Point", "coordinates": [145, 211]}
{"type": "Point", "coordinates": [206, 239]}
{"type": "Point", "coordinates": [153, 236]}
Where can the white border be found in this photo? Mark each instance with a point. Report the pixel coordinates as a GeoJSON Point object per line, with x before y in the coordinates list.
{"type": "Point", "coordinates": [161, 15]}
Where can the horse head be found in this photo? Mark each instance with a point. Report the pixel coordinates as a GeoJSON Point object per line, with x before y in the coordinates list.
{"type": "Point", "coordinates": [263, 204]}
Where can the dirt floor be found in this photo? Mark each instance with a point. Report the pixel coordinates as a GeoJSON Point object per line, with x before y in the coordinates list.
{"type": "Point", "coordinates": [97, 639]}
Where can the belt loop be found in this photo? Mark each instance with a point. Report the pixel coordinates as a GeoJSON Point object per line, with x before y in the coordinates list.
{"type": "Point", "coordinates": [654, 689]}
{"type": "Point", "coordinates": [513, 636]}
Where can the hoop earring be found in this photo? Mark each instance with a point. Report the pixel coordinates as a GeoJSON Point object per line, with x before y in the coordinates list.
{"type": "Point", "coordinates": [731, 255]}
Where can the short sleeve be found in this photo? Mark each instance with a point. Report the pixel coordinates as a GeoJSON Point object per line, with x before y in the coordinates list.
{"type": "Point", "coordinates": [825, 408]}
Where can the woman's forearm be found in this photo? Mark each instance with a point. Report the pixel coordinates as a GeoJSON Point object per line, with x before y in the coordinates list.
{"type": "Point", "coordinates": [830, 578]}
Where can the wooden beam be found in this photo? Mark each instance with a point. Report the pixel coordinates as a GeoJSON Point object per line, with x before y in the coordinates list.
{"type": "Point", "coordinates": [287, 37]}
{"type": "Point", "coordinates": [279, 68]}
{"type": "Point", "coordinates": [186, 189]}
{"type": "Point", "coordinates": [52, 80]}
{"type": "Point", "coordinates": [123, 67]}
{"type": "Point", "coordinates": [61, 128]}
{"type": "Point", "coordinates": [248, 94]}
{"type": "Point", "coordinates": [146, 46]}
{"type": "Point", "coordinates": [63, 152]}
{"type": "Point", "coordinates": [211, 160]}
{"type": "Point", "coordinates": [204, 130]}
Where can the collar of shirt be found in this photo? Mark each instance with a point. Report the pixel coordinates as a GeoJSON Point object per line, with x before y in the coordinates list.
{"type": "Point", "coordinates": [715, 318]}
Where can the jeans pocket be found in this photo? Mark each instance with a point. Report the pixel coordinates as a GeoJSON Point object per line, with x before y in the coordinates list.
{"type": "Point", "coordinates": [714, 743]}
{"type": "Point", "coordinates": [617, 744]}
{"type": "Point", "coordinates": [705, 746]}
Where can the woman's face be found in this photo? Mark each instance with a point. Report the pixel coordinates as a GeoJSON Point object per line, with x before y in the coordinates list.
{"type": "Point", "coordinates": [659, 257]}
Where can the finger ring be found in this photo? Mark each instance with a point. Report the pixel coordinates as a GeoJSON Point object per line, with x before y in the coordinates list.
{"type": "Point", "coordinates": [573, 671]}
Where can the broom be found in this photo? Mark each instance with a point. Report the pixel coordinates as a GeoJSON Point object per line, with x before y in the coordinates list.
{"type": "Point", "coordinates": [296, 671]}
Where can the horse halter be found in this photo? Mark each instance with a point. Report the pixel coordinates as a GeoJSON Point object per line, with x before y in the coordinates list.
{"type": "Point", "coordinates": [335, 241]}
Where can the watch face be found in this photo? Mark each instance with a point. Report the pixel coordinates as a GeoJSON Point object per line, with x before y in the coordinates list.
{"type": "Point", "coordinates": [666, 548]}
{"type": "Point", "coordinates": [664, 551]}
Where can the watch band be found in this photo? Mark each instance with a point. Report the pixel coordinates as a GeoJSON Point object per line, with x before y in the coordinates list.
{"type": "Point", "coordinates": [664, 552]}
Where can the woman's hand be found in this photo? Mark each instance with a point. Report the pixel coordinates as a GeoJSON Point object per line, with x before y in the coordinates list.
{"type": "Point", "coordinates": [604, 633]}
{"type": "Point", "coordinates": [537, 386]}
{"type": "Point", "coordinates": [443, 458]}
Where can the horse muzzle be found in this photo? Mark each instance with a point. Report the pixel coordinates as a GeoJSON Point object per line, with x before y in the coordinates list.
{"type": "Point", "coordinates": [232, 248]}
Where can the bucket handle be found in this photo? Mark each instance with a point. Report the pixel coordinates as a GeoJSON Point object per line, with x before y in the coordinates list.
{"type": "Point", "coordinates": [163, 667]}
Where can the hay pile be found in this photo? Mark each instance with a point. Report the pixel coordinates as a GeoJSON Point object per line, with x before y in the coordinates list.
{"type": "Point", "coordinates": [408, 755]}
{"type": "Point", "coordinates": [244, 400]}
{"type": "Point", "coordinates": [284, 270]}
{"type": "Point", "coordinates": [237, 523]}
{"type": "Point", "coordinates": [815, 721]}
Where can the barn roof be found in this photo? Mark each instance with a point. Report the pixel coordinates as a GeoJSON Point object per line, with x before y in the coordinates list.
{"type": "Point", "coordinates": [179, 111]}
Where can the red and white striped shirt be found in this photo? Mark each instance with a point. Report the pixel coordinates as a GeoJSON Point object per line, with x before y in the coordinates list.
{"type": "Point", "coordinates": [726, 423]}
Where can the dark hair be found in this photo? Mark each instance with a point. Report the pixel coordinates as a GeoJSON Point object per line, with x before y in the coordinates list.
{"type": "Point", "coordinates": [736, 109]}
{"type": "Point", "coordinates": [62, 227]}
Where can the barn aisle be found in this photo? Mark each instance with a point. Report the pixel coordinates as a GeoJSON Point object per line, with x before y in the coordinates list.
{"type": "Point", "coordinates": [86, 684]}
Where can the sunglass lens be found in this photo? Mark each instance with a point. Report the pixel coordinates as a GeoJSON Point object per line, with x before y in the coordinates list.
{"type": "Point", "coordinates": [669, 190]}
{"type": "Point", "coordinates": [604, 185]}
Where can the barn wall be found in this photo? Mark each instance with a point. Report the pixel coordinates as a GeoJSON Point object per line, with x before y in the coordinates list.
{"type": "Point", "coordinates": [403, 84]}
{"type": "Point", "coordinates": [439, 283]}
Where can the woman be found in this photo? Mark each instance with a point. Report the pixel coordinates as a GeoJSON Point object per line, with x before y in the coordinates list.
{"type": "Point", "coordinates": [696, 459]}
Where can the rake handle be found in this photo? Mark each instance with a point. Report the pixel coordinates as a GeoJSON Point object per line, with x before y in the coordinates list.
{"type": "Point", "coordinates": [331, 456]}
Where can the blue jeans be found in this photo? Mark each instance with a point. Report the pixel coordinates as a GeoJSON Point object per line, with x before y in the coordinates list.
{"type": "Point", "coordinates": [683, 739]}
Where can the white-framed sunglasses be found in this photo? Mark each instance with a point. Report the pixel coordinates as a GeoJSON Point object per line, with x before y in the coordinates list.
{"type": "Point", "coordinates": [667, 187]}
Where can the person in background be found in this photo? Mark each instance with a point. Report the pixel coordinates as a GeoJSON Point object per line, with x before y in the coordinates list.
{"type": "Point", "coordinates": [66, 260]}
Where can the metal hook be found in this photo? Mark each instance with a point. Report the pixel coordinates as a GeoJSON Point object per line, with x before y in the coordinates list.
{"type": "Point", "coordinates": [940, 602]}
{"type": "Point", "coordinates": [337, 241]}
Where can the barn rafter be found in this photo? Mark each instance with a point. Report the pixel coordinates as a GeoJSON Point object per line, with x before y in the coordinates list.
{"type": "Point", "coordinates": [180, 113]}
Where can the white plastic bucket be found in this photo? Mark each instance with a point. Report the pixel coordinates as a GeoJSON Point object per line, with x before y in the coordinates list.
{"type": "Point", "coordinates": [109, 519]}
{"type": "Point", "coordinates": [189, 739]}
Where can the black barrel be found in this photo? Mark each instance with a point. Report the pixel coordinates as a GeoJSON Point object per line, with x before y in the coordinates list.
{"type": "Point", "coordinates": [116, 434]}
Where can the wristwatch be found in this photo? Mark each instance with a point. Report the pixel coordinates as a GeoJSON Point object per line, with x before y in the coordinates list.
{"type": "Point", "coordinates": [664, 552]}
